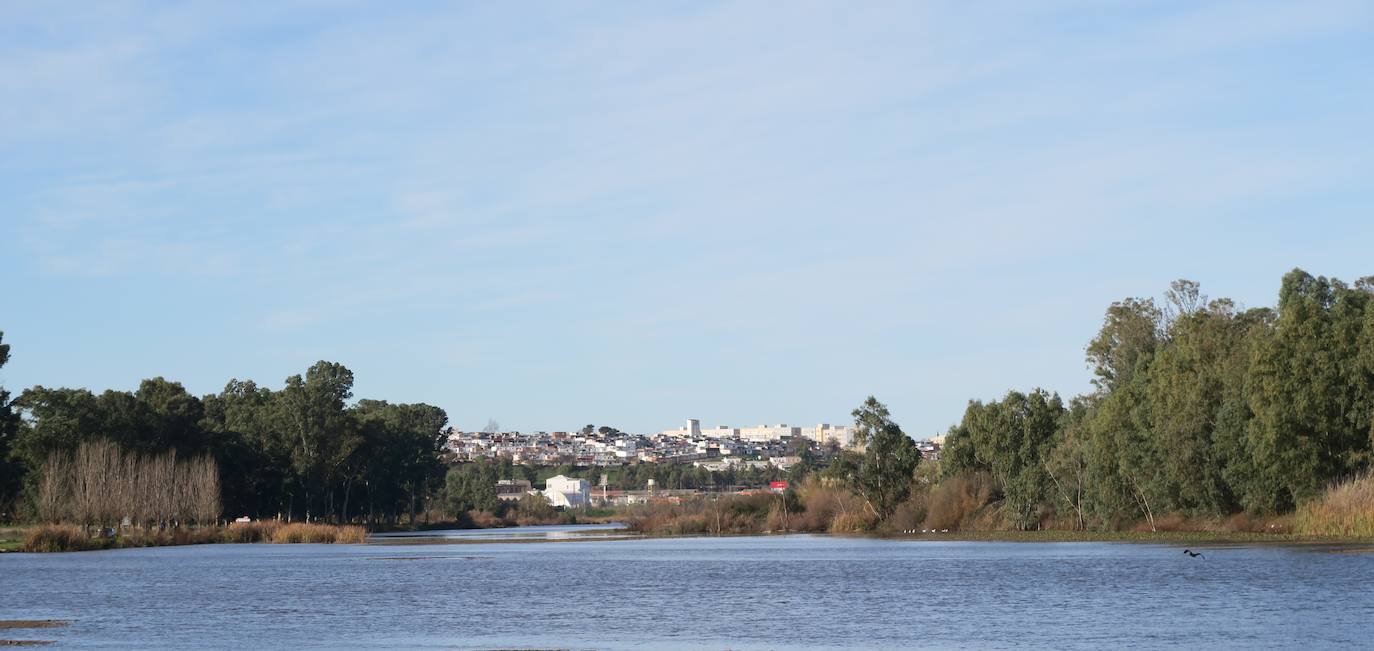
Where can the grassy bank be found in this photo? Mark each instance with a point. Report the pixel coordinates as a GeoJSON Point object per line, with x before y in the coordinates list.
{"type": "Point", "coordinates": [68, 538]}
{"type": "Point", "coordinates": [1343, 514]}
{"type": "Point", "coordinates": [12, 538]}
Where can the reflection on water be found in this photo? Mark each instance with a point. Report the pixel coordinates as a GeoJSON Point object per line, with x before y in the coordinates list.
{"type": "Point", "coordinates": [700, 593]}
{"type": "Point", "coordinates": [609, 530]}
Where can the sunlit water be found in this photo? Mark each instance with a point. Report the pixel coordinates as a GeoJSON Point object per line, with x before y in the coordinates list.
{"type": "Point", "coordinates": [698, 593]}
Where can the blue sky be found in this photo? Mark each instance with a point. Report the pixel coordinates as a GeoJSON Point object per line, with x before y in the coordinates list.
{"type": "Point", "coordinates": [633, 213]}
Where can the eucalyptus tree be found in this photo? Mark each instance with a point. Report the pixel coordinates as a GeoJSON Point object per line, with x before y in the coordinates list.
{"type": "Point", "coordinates": [323, 435]}
{"type": "Point", "coordinates": [1311, 390]}
{"type": "Point", "coordinates": [1011, 438]}
{"type": "Point", "coordinates": [882, 472]}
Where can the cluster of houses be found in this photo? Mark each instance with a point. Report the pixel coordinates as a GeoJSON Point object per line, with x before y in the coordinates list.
{"type": "Point", "coordinates": [610, 447]}
{"type": "Point", "coordinates": [715, 448]}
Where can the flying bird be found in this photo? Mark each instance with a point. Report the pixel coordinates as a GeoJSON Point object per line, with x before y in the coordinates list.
{"type": "Point", "coordinates": [1193, 553]}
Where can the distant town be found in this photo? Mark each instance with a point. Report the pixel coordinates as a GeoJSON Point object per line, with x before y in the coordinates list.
{"type": "Point", "coordinates": [714, 449]}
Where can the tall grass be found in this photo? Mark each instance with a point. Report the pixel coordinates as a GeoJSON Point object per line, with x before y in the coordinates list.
{"type": "Point", "coordinates": [1346, 509]}
{"type": "Point", "coordinates": [301, 532]}
{"type": "Point", "coordinates": [71, 538]}
{"type": "Point", "coordinates": [252, 532]}
{"type": "Point", "coordinates": [954, 503]}
{"type": "Point", "coordinates": [829, 508]}
{"type": "Point", "coordinates": [56, 538]}
{"type": "Point", "coordinates": [732, 514]}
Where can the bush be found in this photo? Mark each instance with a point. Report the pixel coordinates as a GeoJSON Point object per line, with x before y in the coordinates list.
{"type": "Point", "coordinates": [535, 509]}
{"type": "Point", "coordinates": [485, 520]}
{"type": "Point", "coordinates": [1346, 509]}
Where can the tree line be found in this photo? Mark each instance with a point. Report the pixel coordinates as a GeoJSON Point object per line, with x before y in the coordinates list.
{"type": "Point", "coordinates": [298, 452]}
{"type": "Point", "coordinates": [1199, 408]}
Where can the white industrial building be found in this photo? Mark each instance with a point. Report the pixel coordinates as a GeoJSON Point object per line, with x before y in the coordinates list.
{"type": "Point", "coordinates": [567, 492]}
{"type": "Point", "coordinates": [822, 433]}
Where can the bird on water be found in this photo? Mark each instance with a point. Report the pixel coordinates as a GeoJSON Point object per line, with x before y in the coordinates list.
{"type": "Point", "coordinates": [1193, 553]}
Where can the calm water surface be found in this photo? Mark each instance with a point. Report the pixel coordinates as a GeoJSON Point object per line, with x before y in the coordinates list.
{"type": "Point", "coordinates": [701, 593]}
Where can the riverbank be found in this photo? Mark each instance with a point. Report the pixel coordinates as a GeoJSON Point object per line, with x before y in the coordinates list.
{"type": "Point", "coordinates": [1161, 537]}
{"type": "Point", "coordinates": [72, 538]}
{"type": "Point", "coordinates": [1198, 538]}
{"type": "Point", "coordinates": [476, 520]}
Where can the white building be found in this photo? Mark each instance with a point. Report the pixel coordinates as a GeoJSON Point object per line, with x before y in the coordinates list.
{"type": "Point", "coordinates": [768, 433]}
{"type": "Point", "coordinates": [824, 434]}
{"type": "Point", "coordinates": [567, 492]}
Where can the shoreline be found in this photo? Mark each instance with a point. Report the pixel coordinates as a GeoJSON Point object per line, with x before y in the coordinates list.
{"type": "Point", "coordinates": [612, 534]}
{"type": "Point", "coordinates": [1063, 536]}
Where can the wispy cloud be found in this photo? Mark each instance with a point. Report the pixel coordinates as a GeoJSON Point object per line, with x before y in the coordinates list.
{"type": "Point", "coordinates": [664, 192]}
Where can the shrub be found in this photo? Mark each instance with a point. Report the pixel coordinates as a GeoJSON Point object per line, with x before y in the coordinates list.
{"type": "Point", "coordinates": [485, 520]}
{"type": "Point", "coordinates": [534, 509]}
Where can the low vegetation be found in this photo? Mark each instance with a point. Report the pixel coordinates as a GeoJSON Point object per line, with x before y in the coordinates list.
{"type": "Point", "coordinates": [1345, 510]}
{"type": "Point", "coordinates": [300, 532]}
{"type": "Point", "coordinates": [71, 538]}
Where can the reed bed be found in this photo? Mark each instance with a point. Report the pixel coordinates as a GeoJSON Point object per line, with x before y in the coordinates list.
{"type": "Point", "coordinates": [1345, 510]}
{"type": "Point", "coordinates": [56, 538]}
{"type": "Point", "coordinates": [300, 532]}
{"type": "Point", "coordinates": [71, 538]}
{"type": "Point", "coordinates": [252, 532]}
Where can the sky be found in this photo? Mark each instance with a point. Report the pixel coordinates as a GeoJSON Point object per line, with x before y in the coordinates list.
{"type": "Point", "coordinates": [624, 213]}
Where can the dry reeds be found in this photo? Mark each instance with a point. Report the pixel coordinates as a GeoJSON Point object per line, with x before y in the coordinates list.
{"type": "Point", "coordinates": [301, 532]}
{"type": "Point", "coordinates": [908, 516]}
{"type": "Point", "coordinates": [56, 538]}
{"type": "Point", "coordinates": [823, 504]}
{"type": "Point", "coordinates": [1346, 510]}
{"type": "Point", "coordinates": [953, 501]}
{"type": "Point", "coordinates": [252, 532]}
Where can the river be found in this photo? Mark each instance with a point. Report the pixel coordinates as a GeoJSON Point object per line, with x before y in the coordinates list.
{"type": "Point", "coordinates": [779, 592]}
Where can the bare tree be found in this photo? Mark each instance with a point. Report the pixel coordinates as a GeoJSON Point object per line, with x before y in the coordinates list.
{"type": "Point", "coordinates": [54, 488]}
{"type": "Point", "coordinates": [102, 485]}
{"type": "Point", "coordinates": [205, 487]}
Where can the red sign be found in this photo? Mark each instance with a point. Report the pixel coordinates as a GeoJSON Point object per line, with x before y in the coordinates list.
{"type": "Point", "coordinates": [778, 485]}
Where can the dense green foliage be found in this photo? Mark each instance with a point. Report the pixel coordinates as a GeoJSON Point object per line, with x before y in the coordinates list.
{"type": "Point", "coordinates": [1200, 409]}
{"type": "Point", "coordinates": [11, 472]}
{"type": "Point", "coordinates": [300, 452]}
{"type": "Point", "coordinates": [883, 471]}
